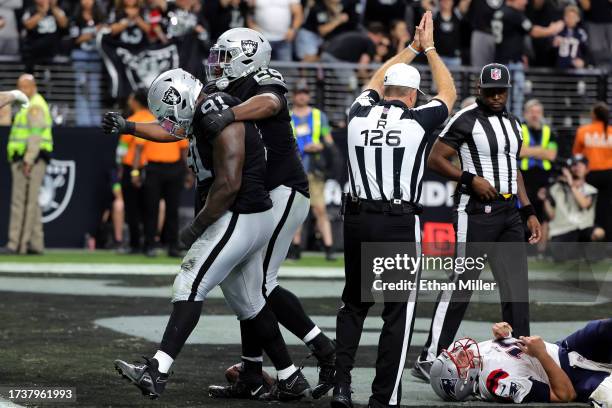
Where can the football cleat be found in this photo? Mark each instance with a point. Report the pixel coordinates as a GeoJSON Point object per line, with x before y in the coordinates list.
{"type": "Point", "coordinates": [144, 376]}
{"type": "Point", "coordinates": [291, 389]}
{"type": "Point", "coordinates": [327, 373]}
{"type": "Point", "coordinates": [341, 397]}
{"type": "Point", "coordinates": [239, 390]}
{"type": "Point", "coordinates": [421, 369]}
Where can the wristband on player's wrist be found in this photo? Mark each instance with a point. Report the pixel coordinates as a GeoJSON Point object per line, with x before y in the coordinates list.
{"type": "Point", "coordinates": [130, 127]}
{"type": "Point", "coordinates": [527, 211]}
{"type": "Point", "coordinates": [466, 179]}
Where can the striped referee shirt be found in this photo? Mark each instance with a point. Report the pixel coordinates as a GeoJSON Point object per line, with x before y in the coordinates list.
{"type": "Point", "coordinates": [386, 146]}
{"type": "Point", "coordinates": [488, 144]}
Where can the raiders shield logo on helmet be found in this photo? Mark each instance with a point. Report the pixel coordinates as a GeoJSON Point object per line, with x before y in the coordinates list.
{"type": "Point", "coordinates": [172, 97]}
{"type": "Point", "coordinates": [496, 74]}
{"type": "Point", "coordinates": [249, 47]}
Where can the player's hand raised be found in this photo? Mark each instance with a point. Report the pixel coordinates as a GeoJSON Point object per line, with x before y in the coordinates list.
{"type": "Point", "coordinates": [502, 330]}
{"type": "Point", "coordinates": [114, 123]}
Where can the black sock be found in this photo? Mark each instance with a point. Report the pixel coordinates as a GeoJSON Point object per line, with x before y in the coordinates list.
{"type": "Point", "coordinates": [252, 353]}
{"type": "Point", "coordinates": [289, 312]}
{"type": "Point", "coordinates": [265, 327]}
{"type": "Point", "coordinates": [321, 345]}
{"type": "Point", "coordinates": [328, 249]}
{"type": "Point", "coordinates": [183, 320]}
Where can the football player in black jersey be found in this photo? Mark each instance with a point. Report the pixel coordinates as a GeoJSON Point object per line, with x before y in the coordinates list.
{"type": "Point", "coordinates": [231, 167]}
{"type": "Point", "coordinates": [238, 65]}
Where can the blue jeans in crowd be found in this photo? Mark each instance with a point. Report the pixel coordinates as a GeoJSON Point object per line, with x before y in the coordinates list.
{"type": "Point", "coordinates": [451, 61]}
{"type": "Point", "coordinates": [88, 70]}
{"type": "Point", "coordinates": [282, 50]}
{"type": "Point", "coordinates": [517, 92]}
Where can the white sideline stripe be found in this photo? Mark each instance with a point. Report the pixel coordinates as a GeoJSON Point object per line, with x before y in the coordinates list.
{"type": "Point", "coordinates": [162, 270]}
{"type": "Point", "coordinates": [8, 404]}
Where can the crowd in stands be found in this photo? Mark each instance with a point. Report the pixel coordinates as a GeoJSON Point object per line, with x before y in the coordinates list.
{"type": "Point", "coordinates": [559, 33]}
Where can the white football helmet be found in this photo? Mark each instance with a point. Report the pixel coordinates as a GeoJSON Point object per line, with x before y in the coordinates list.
{"type": "Point", "coordinates": [172, 99]}
{"type": "Point", "coordinates": [454, 373]}
{"type": "Point", "coordinates": [237, 53]}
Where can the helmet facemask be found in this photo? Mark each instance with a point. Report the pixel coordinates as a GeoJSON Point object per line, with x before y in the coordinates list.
{"type": "Point", "coordinates": [465, 354]}
{"type": "Point", "coordinates": [219, 67]}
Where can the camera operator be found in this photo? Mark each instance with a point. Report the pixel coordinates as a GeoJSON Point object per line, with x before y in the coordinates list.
{"type": "Point", "coordinates": [570, 206]}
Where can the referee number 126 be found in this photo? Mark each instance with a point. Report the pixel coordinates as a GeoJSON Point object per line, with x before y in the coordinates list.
{"type": "Point", "coordinates": [375, 137]}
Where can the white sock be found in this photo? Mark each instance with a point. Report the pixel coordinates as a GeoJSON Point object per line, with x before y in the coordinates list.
{"type": "Point", "coordinates": [311, 335]}
{"type": "Point", "coordinates": [286, 372]}
{"type": "Point", "coordinates": [164, 360]}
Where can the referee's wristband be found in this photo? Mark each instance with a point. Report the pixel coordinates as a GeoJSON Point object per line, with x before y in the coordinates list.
{"type": "Point", "coordinates": [466, 179]}
{"type": "Point", "coordinates": [411, 48]}
{"type": "Point", "coordinates": [429, 49]}
{"type": "Point", "coordinates": [527, 211]}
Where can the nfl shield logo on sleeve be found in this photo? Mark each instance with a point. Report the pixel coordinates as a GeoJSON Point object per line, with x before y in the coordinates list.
{"type": "Point", "coordinates": [496, 74]}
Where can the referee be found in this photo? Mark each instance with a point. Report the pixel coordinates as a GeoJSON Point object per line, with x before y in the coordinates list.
{"type": "Point", "coordinates": [387, 139]}
{"type": "Point", "coordinates": [488, 140]}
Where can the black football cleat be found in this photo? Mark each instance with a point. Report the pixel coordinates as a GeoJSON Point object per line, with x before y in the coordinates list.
{"type": "Point", "coordinates": [341, 397]}
{"type": "Point", "coordinates": [293, 388]}
{"type": "Point", "coordinates": [239, 390]}
{"type": "Point", "coordinates": [145, 376]}
{"type": "Point", "coordinates": [327, 373]}
{"type": "Point", "coordinates": [421, 369]}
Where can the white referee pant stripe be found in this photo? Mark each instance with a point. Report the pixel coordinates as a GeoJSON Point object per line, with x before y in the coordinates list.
{"type": "Point", "coordinates": [442, 308]}
{"type": "Point", "coordinates": [289, 212]}
{"type": "Point", "coordinates": [410, 308]}
{"type": "Point", "coordinates": [229, 253]}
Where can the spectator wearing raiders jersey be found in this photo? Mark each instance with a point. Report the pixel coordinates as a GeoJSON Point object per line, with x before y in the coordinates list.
{"type": "Point", "coordinates": [509, 27]}
{"type": "Point", "coordinates": [447, 21]}
{"type": "Point", "coordinates": [488, 140]}
{"type": "Point", "coordinates": [482, 42]}
{"type": "Point", "coordinates": [127, 22]}
{"type": "Point", "coordinates": [387, 140]}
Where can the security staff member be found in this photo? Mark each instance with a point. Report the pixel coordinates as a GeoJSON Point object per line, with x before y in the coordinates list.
{"type": "Point", "coordinates": [132, 161]}
{"type": "Point", "coordinates": [163, 177]}
{"type": "Point", "coordinates": [537, 154]}
{"type": "Point", "coordinates": [488, 140]}
{"type": "Point", "coordinates": [313, 135]}
{"type": "Point", "coordinates": [29, 150]}
{"type": "Point", "coordinates": [387, 139]}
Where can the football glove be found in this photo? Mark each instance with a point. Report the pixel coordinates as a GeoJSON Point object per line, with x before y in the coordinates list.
{"type": "Point", "coordinates": [213, 123]}
{"type": "Point", "coordinates": [114, 123]}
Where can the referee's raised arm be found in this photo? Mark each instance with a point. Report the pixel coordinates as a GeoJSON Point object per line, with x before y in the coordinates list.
{"type": "Point", "coordinates": [441, 76]}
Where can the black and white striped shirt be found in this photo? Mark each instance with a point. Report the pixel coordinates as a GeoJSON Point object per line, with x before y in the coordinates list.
{"type": "Point", "coordinates": [386, 146]}
{"type": "Point", "coordinates": [488, 144]}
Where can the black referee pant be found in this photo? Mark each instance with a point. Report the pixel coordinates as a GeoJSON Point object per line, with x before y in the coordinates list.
{"type": "Point", "coordinates": [477, 225]}
{"type": "Point", "coordinates": [398, 317]}
{"type": "Point", "coordinates": [162, 180]}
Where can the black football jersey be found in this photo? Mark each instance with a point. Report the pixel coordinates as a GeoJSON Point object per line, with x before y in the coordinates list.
{"type": "Point", "coordinates": [284, 163]}
{"type": "Point", "coordinates": [253, 195]}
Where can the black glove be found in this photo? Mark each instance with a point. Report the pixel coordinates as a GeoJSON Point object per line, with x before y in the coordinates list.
{"type": "Point", "coordinates": [114, 123]}
{"type": "Point", "coordinates": [189, 235]}
{"type": "Point", "coordinates": [214, 122]}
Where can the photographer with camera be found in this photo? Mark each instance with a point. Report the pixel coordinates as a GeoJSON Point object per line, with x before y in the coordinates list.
{"type": "Point", "coordinates": [570, 206]}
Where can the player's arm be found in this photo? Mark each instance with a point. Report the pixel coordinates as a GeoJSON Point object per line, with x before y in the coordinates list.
{"type": "Point", "coordinates": [114, 123]}
{"type": "Point", "coordinates": [405, 56]}
{"type": "Point", "coordinates": [258, 107]}
{"type": "Point", "coordinates": [228, 159]}
{"type": "Point", "coordinates": [13, 96]}
{"type": "Point", "coordinates": [561, 388]}
{"type": "Point", "coordinates": [527, 210]}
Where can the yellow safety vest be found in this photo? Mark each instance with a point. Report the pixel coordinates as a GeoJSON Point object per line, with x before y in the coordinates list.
{"type": "Point", "coordinates": [544, 143]}
{"type": "Point", "coordinates": [315, 125]}
{"type": "Point", "coordinates": [21, 131]}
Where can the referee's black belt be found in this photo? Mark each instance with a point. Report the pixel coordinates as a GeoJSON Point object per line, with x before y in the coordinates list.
{"type": "Point", "coordinates": [356, 205]}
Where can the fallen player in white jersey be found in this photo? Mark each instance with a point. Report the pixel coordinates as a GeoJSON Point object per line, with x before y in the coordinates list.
{"type": "Point", "coordinates": [528, 369]}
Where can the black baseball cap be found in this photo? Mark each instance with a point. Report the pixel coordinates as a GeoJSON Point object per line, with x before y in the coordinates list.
{"type": "Point", "coordinates": [495, 76]}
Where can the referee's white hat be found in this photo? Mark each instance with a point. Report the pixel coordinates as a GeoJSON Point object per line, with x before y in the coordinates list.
{"type": "Point", "coordinates": [402, 75]}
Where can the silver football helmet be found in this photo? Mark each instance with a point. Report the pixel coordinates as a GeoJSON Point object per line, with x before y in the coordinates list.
{"type": "Point", "coordinates": [454, 373]}
{"type": "Point", "coordinates": [237, 53]}
{"type": "Point", "coordinates": [172, 99]}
